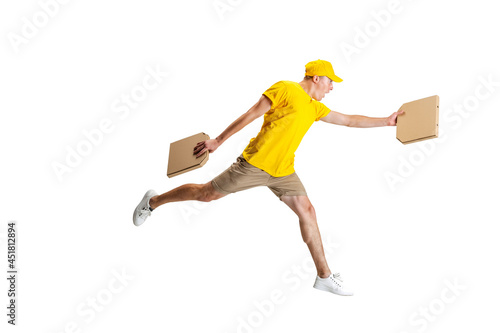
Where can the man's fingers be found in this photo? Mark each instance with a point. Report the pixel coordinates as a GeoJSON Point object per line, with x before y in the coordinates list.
{"type": "Point", "coordinates": [201, 152]}
{"type": "Point", "coordinates": [199, 146]}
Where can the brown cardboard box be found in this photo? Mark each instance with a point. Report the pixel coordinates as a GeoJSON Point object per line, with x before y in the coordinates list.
{"type": "Point", "coordinates": [181, 158]}
{"type": "Point", "coordinates": [419, 121]}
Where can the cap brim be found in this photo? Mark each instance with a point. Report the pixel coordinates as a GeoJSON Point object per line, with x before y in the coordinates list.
{"type": "Point", "coordinates": [335, 78]}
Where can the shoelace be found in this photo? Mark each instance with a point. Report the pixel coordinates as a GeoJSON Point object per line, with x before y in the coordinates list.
{"type": "Point", "coordinates": [145, 212]}
{"type": "Point", "coordinates": [335, 276]}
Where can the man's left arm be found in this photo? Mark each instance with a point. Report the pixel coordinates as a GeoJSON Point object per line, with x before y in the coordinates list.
{"type": "Point", "coordinates": [338, 118]}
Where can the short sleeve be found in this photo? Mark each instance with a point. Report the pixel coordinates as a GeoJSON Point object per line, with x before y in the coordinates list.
{"type": "Point", "coordinates": [277, 94]}
{"type": "Point", "coordinates": [321, 110]}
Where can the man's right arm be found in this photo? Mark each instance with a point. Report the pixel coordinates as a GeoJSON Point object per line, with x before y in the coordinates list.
{"type": "Point", "coordinates": [261, 107]}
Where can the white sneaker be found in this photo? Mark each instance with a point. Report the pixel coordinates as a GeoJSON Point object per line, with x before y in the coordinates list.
{"type": "Point", "coordinates": [333, 284]}
{"type": "Point", "coordinates": [143, 210]}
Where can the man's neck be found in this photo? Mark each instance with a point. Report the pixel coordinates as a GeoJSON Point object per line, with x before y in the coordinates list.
{"type": "Point", "coordinates": [307, 86]}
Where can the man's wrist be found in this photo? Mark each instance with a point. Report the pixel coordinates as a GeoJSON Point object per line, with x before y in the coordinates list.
{"type": "Point", "coordinates": [380, 122]}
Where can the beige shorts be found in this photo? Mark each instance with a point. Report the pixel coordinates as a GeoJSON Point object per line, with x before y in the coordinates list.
{"type": "Point", "coordinates": [241, 175]}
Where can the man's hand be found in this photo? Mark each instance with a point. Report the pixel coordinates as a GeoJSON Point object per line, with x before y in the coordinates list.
{"type": "Point", "coordinates": [202, 146]}
{"type": "Point", "coordinates": [393, 118]}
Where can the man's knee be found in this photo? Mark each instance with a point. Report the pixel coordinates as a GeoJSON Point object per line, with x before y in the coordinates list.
{"type": "Point", "coordinates": [209, 193]}
{"type": "Point", "coordinates": [301, 206]}
{"type": "Point", "coordinates": [308, 211]}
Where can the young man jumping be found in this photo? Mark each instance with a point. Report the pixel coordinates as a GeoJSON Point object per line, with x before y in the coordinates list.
{"type": "Point", "coordinates": [289, 109]}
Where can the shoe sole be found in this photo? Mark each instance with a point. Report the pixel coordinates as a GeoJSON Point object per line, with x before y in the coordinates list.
{"type": "Point", "coordinates": [323, 287]}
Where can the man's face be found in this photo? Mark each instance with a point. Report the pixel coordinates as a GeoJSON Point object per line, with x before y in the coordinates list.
{"type": "Point", "coordinates": [323, 87]}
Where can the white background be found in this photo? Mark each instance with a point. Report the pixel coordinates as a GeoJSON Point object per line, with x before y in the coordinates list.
{"type": "Point", "coordinates": [195, 267]}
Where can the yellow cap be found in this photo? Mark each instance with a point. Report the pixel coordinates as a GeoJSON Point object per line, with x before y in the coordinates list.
{"type": "Point", "coordinates": [321, 68]}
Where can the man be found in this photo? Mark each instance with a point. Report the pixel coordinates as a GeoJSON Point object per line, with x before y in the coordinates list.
{"type": "Point", "coordinates": [289, 109]}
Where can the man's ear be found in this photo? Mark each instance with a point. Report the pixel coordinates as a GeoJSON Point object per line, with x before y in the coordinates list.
{"type": "Point", "coordinates": [316, 79]}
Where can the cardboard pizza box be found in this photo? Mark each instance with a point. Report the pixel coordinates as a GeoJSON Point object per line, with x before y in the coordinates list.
{"type": "Point", "coordinates": [181, 158]}
{"type": "Point", "coordinates": [420, 121]}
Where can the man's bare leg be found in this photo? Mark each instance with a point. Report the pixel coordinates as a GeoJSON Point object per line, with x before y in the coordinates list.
{"type": "Point", "coordinates": [310, 232]}
{"type": "Point", "coordinates": [199, 192]}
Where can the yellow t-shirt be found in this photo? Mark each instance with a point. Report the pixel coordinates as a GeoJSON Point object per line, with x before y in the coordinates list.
{"type": "Point", "coordinates": [292, 112]}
